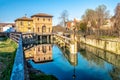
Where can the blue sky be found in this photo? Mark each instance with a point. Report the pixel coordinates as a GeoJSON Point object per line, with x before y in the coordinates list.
{"type": "Point", "coordinates": [12, 9]}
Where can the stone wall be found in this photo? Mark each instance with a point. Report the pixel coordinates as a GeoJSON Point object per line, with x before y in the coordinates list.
{"type": "Point", "coordinates": [108, 45]}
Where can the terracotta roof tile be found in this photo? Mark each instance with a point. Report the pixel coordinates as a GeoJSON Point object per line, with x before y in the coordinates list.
{"type": "Point", "coordinates": [24, 19]}
{"type": "Point", "coordinates": [41, 15]}
{"type": "Point", "coordinates": [4, 24]}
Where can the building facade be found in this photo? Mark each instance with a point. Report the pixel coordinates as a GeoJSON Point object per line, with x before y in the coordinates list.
{"type": "Point", "coordinates": [42, 23]}
{"type": "Point", "coordinates": [1, 29]}
{"type": "Point", "coordinates": [24, 25]}
{"type": "Point", "coordinates": [71, 24]}
{"type": "Point", "coordinates": [5, 26]}
{"type": "Point", "coordinates": [39, 23]}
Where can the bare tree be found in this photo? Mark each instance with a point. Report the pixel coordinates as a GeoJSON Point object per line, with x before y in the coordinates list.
{"type": "Point", "coordinates": [95, 18]}
{"type": "Point", "coordinates": [64, 17]}
{"type": "Point", "coordinates": [101, 15]}
{"type": "Point", "coordinates": [90, 18]}
{"type": "Point", "coordinates": [117, 19]}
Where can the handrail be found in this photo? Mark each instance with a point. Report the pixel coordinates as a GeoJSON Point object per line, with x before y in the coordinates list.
{"type": "Point", "coordinates": [18, 67]}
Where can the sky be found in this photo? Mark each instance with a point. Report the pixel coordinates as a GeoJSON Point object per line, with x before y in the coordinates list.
{"type": "Point", "coordinates": [13, 9]}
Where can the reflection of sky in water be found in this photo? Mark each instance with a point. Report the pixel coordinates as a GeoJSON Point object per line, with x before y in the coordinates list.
{"type": "Point", "coordinates": [85, 70]}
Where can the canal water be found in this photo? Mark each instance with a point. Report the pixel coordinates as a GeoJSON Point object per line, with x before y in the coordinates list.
{"type": "Point", "coordinates": [88, 64]}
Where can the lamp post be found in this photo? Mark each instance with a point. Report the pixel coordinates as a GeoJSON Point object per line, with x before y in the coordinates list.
{"type": "Point", "coordinates": [74, 76]}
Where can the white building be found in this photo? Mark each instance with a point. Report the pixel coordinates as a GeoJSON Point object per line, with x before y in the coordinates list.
{"type": "Point", "coordinates": [6, 26]}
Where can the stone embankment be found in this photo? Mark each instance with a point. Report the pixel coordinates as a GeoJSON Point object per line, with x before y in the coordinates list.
{"type": "Point", "coordinates": [108, 45]}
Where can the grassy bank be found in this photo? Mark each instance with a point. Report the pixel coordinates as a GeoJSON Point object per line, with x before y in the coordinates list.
{"type": "Point", "coordinates": [7, 54]}
{"type": "Point", "coordinates": [35, 74]}
{"type": "Point", "coordinates": [41, 77]}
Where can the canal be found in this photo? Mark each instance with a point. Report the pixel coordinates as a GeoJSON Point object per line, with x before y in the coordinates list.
{"type": "Point", "coordinates": [89, 63]}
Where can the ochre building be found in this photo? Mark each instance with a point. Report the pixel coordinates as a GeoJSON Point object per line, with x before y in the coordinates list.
{"type": "Point", "coordinates": [24, 25]}
{"type": "Point", "coordinates": [39, 23]}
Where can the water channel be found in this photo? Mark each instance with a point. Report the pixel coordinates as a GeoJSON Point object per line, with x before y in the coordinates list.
{"type": "Point", "coordinates": [89, 63]}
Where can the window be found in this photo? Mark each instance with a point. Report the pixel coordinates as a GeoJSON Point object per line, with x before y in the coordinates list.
{"type": "Point", "coordinates": [39, 49]}
{"type": "Point", "coordinates": [33, 29]}
{"type": "Point", "coordinates": [38, 19]}
{"type": "Point", "coordinates": [44, 58]}
{"type": "Point", "coordinates": [49, 19]}
{"type": "Point", "coordinates": [29, 28]}
{"type": "Point", "coordinates": [43, 19]}
{"type": "Point", "coordinates": [38, 59]}
{"type": "Point", "coordinates": [49, 58]}
{"type": "Point", "coordinates": [21, 23]}
{"type": "Point", "coordinates": [49, 48]}
{"type": "Point", "coordinates": [28, 23]}
{"type": "Point", "coordinates": [44, 49]}
{"type": "Point", "coordinates": [38, 29]}
{"type": "Point", "coordinates": [43, 28]}
{"type": "Point", "coordinates": [49, 29]}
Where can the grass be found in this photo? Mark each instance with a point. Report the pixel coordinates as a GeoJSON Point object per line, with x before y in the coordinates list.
{"type": "Point", "coordinates": [7, 54]}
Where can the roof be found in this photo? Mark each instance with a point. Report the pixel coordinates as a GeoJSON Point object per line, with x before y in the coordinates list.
{"type": "Point", "coordinates": [41, 15]}
{"type": "Point", "coordinates": [4, 24]}
{"type": "Point", "coordinates": [23, 19]}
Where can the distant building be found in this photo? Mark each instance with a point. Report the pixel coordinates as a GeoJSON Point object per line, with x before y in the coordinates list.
{"type": "Point", "coordinates": [70, 24]}
{"type": "Point", "coordinates": [1, 29]}
{"type": "Point", "coordinates": [107, 25]}
{"type": "Point", "coordinates": [6, 26]}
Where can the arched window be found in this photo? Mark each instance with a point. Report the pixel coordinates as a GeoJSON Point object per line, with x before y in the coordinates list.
{"type": "Point", "coordinates": [38, 29]}
{"type": "Point", "coordinates": [43, 19]}
{"type": "Point", "coordinates": [38, 59]}
{"type": "Point", "coordinates": [39, 49]}
{"type": "Point", "coordinates": [38, 19]}
{"type": "Point", "coordinates": [43, 28]}
{"type": "Point", "coordinates": [44, 49]}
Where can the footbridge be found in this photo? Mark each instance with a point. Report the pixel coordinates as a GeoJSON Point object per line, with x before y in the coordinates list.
{"type": "Point", "coordinates": [69, 43]}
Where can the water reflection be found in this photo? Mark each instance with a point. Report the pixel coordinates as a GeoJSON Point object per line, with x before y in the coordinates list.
{"type": "Point", "coordinates": [39, 53]}
{"type": "Point", "coordinates": [71, 57]}
{"type": "Point", "coordinates": [92, 54]}
{"type": "Point", "coordinates": [88, 64]}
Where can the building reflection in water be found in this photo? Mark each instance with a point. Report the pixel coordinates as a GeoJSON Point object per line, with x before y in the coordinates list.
{"type": "Point", "coordinates": [43, 53]}
{"type": "Point", "coordinates": [39, 53]}
{"type": "Point", "coordinates": [92, 54]}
